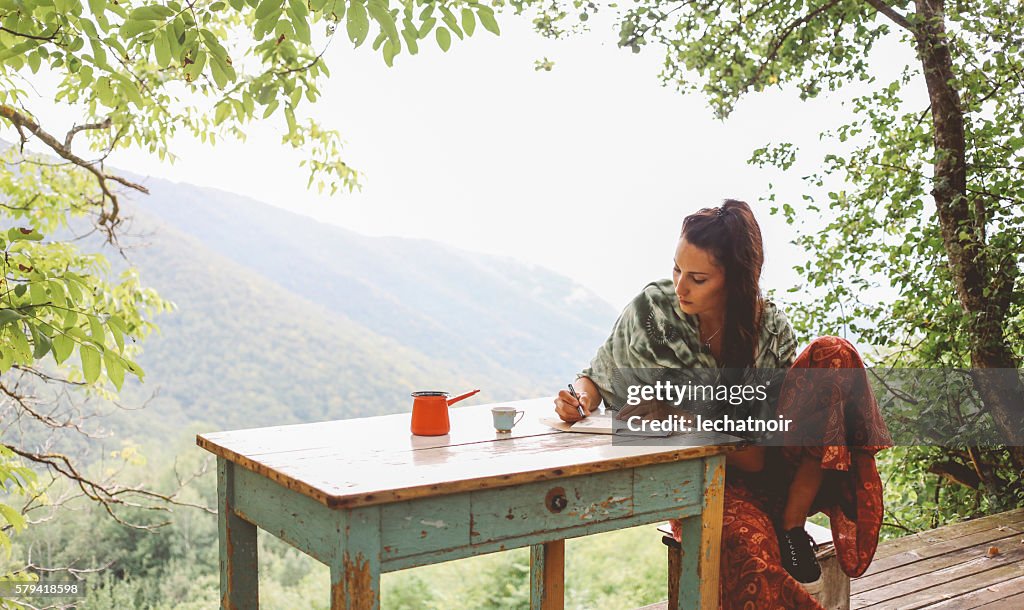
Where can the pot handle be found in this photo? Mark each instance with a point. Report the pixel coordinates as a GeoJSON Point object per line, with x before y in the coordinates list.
{"type": "Point", "coordinates": [452, 401]}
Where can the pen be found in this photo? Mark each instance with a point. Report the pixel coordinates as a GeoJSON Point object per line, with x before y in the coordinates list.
{"type": "Point", "coordinates": [579, 407]}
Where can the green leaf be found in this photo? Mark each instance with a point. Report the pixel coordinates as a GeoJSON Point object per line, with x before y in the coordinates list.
{"type": "Point", "coordinates": [228, 71]}
{"type": "Point", "coordinates": [162, 50]}
{"type": "Point", "coordinates": [13, 517]}
{"type": "Point", "coordinates": [468, 21]}
{"type": "Point", "coordinates": [389, 53]}
{"type": "Point", "coordinates": [171, 36]}
{"type": "Point", "coordinates": [220, 77]}
{"type": "Point", "coordinates": [23, 234]}
{"type": "Point", "coordinates": [449, 19]}
{"type": "Point", "coordinates": [289, 117]}
{"type": "Point", "coordinates": [97, 7]}
{"type": "Point", "coordinates": [487, 20]}
{"type": "Point", "coordinates": [90, 363]}
{"type": "Point", "coordinates": [115, 370]}
{"type": "Point", "coordinates": [298, 10]}
{"type": "Point", "coordinates": [268, 7]}
{"type": "Point", "coordinates": [133, 368]}
{"type": "Point", "coordinates": [301, 26]}
{"type": "Point", "coordinates": [358, 26]}
{"type": "Point", "coordinates": [118, 323]}
{"type": "Point", "coordinates": [213, 44]}
{"type": "Point", "coordinates": [194, 69]}
{"type": "Point", "coordinates": [20, 342]}
{"type": "Point", "coordinates": [62, 347]}
{"type": "Point", "coordinates": [386, 21]}
{"type": "Point", "coordinates": [76, 295]}
{"type": "Point", "coordinates": [223, 110]}
{"type": "Point", "coordinates": [37, 293]}
{"type": "Point", "coordinates": [153, 12]}
{"type": "Point", "coordinates": [9, 315]}
{"type": "Point", "coordinates": [444, 38]}
{"type": "Point", "coordinates": [6, 359]}
{"type": "Point", "coordinates": [338, 10]}
{"type": "Point", "coordinates": [426, 26]}
{"type": "Point", "coordinates": [70, 319]}
{"type": "Point", "coordinates": [40, 342]}
{"type": "Point", "coordinates": [410, 36]}
{"type": "Point", "coordinates": [130, 89]}
{"type": "Point", "coordinates": [115, 331]}
{"type": "Point", "coordinates": [57, 293]}
{"type": "Point", "coordinates": [99, 55]}
{"type": "Point", "coordinates": [96, 331]}
{"type": "Point", "coordinates": [134, 27]}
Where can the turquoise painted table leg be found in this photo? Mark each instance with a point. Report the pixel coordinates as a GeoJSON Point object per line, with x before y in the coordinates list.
{"type": "Point", "coordinates": [699, 556]}
{"type": "Point", "coordinates": [355, 570]}
{"type": "Point", "coordinates": [239, 575]}
{"type": "Point", "coordinates": [547, 575]}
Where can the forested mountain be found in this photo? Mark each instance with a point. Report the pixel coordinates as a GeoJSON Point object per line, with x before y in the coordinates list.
{"type": "Point", "coordinates": [452, 304]}
{"type": "Point", "coordinates": [282, 319]}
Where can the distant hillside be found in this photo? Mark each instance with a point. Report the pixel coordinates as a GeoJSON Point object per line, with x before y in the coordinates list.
{"type": "Point", "coordinates": [281, 319]}
{"type": "Point", "coordinates": [240, 351]}
{"type": "Point", "coordinates": [452, 304]}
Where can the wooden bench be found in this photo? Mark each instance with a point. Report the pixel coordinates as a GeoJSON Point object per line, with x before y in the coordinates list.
{"type": "Point", "coordinates": [834, 593]}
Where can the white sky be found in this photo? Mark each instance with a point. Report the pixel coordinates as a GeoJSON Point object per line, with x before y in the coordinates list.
{"type": "Point", "coordinates": [587, 170]}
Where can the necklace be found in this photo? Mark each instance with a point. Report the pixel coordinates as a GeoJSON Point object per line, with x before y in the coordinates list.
{"type": "Point", "coordinates": [707, 343]}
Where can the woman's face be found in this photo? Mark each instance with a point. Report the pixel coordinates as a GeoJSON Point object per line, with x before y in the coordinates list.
{"type": "Point", "coordinates": [699, 281]}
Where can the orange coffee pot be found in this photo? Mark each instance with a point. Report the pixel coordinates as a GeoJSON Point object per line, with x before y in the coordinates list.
{"type": "Point", "coordinates": [430, 412]}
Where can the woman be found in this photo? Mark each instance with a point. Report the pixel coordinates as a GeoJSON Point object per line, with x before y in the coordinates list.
{"type": "Point", "coordinates": [712, 316]}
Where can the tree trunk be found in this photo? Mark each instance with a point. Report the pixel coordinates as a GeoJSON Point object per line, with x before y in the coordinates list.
{"type": "Point", "coordinates": [995, 366]}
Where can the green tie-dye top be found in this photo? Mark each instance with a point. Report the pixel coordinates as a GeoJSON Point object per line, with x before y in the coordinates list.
{"type": "Point", "coordinates": [653, 333]}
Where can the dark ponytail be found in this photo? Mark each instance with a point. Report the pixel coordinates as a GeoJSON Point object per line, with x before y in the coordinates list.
{"type": "Point", "coordinates": [732, 236]}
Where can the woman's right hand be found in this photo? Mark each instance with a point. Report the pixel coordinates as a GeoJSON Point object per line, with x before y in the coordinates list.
{"type": "Point", "coordinates": [565, 405]}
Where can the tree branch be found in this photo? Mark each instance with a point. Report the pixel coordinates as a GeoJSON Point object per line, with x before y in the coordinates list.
{"type": "Point", "coordinates": [893, 16]}
{"type": "Point", "coordinates": [77, 128]}
{"type": "Point", "coordinates": [779, 40]}
{"type": "Point", "coordinates": [22, 402]}
{"type": "Point", "coordinates": [108, 220]}
{"type": "Point", "coordinates": [46, 38]}
{"type": "Point", "coordinates": [106, 496]}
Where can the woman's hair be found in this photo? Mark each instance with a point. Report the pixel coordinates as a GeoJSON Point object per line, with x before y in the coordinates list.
{"type": "Point", "coordinates": [732, 236]}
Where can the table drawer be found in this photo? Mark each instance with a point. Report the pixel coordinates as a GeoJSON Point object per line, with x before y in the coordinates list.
{"type": "Point", "coordinates": [422, 526]}
{"type": "Point", "coordinates": [548, 506]}
{"type": "Point", "coordinates": [668, 485]}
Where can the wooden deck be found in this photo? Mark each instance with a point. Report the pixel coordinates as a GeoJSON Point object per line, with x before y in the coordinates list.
{"type": "Point", "coordinates": [975, 564]}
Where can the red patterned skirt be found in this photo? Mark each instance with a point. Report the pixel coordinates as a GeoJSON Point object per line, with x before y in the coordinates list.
{"type": "Point", "coordinates": [841, 402]}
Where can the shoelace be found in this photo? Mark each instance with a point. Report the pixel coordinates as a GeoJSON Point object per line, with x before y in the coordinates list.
{"type": "Point", "coordinates": [792, 547]}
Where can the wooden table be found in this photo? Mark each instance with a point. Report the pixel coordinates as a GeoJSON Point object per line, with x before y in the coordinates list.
{"type": "Point", "coordinates": [365, 497]}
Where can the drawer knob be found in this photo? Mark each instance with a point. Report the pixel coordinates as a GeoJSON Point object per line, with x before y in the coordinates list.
{"type": "Point", "coordinates": [556, 501]}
